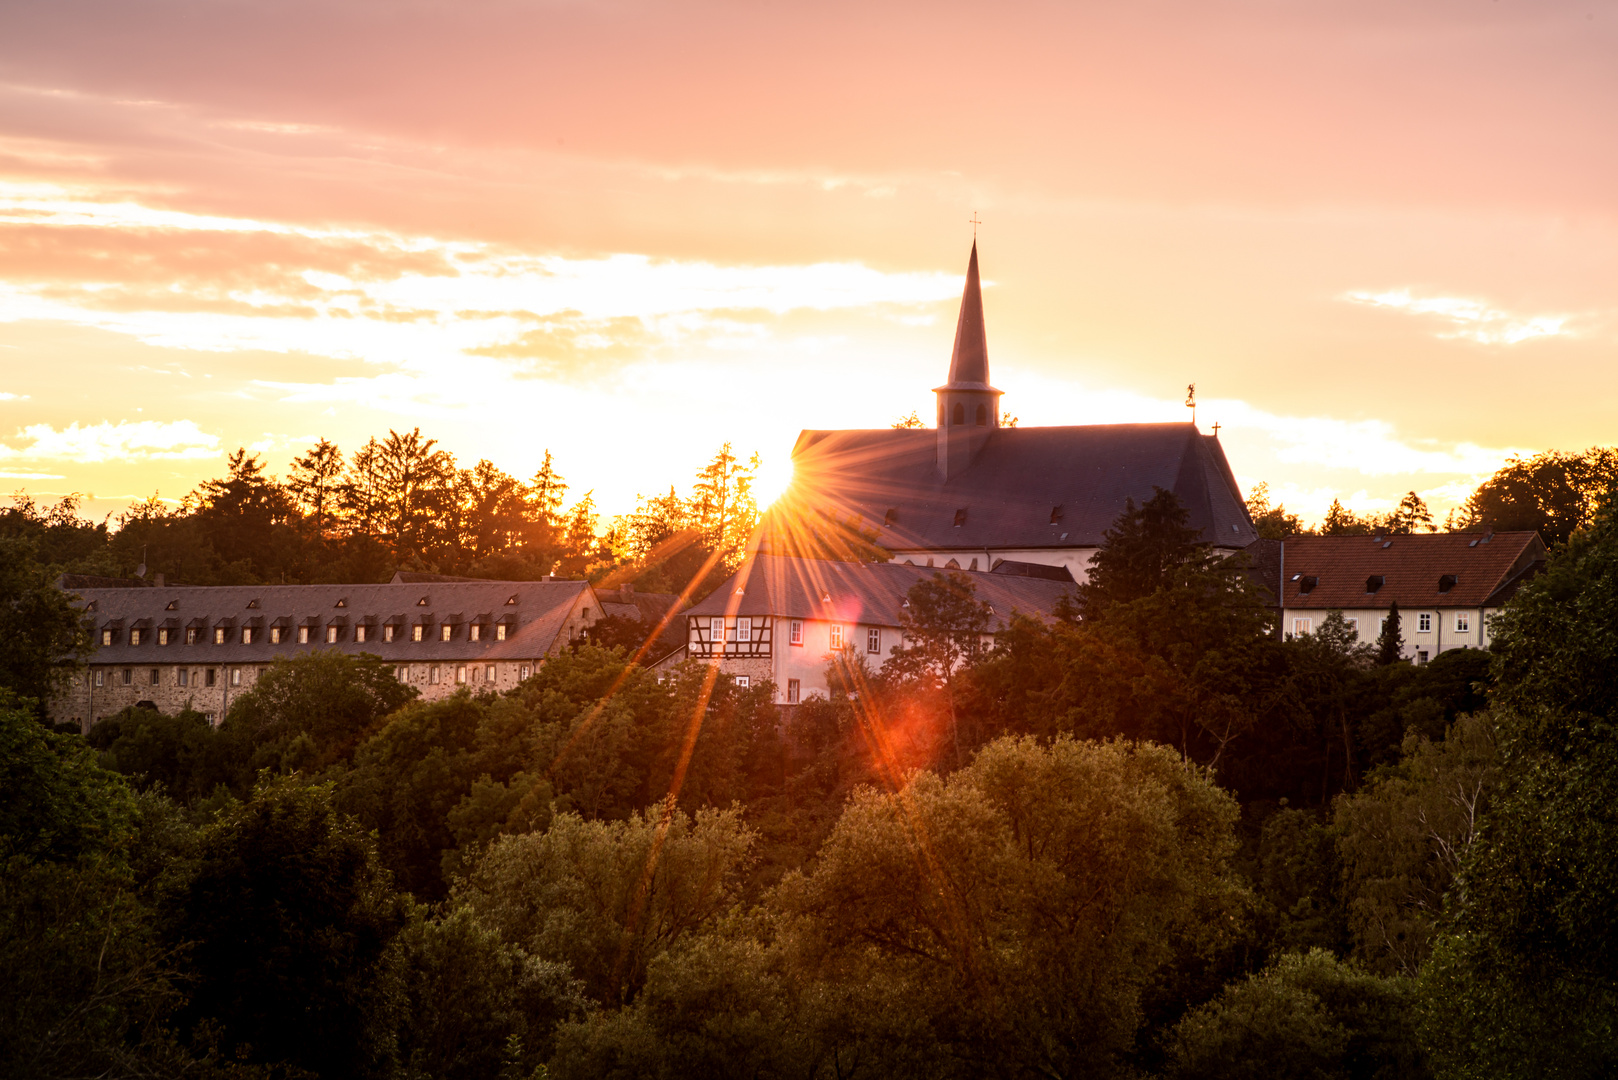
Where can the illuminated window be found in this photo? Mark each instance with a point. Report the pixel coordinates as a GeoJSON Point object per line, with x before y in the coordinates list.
{"type": "Point", "coordinates": [106, 637]}
{"type": "Point", "coordinates": [191, 636]}
{"type": "Point", "coordinates": [247, 636]}
{"type": "Point", "coordinates": [134, 637]}
{"type": "Point", "coordinates": [447, 632]}
{"type": "Point", "coordinates": [219, 635]}
{"type": "Point", "coordinates": [235, 676]}
{"type": "Point", "coordinates": [1463, 622]}
{"type": "Point", "coordinates": [500, 632]}
{"type": "Point", "coordinates": [359, 632]}
{"type": "Point", "coordinates": [387, 632]}
{"type": "Point", "coordinates": [303, 635]}
{"type": "Point", "coordinates": [873, 640]}
{"type": "Point", "coordinates": [275, 635]}
{"type": "Point", "coordinates": [415, 633]}
{"type": "Point", "coordinates": [837, 635]}
{"type": "Point", "coordinates": [474, 632]}
{"type": "Point", "coordinates": [331, 635]}
{"type": "Point", "coordinates": [792, 691]}
{"type": "Point", "coordinates": [795, 632]}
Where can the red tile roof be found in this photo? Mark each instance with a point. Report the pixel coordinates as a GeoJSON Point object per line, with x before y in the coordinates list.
{"type": "Point", "coordinates": [1411, 569]}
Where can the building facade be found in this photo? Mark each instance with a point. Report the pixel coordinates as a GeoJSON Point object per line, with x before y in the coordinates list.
{"type": "Point", "coordinates": [784, 618]}
{"type": "Point", "coordinates": [1447, 585]}
{"type": "Point", "coordinates": [971, 492]}
{"type": "Point", "coordinates": [199, 647]}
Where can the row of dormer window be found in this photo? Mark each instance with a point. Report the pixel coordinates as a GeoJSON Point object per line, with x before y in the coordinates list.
{"type": "Point", "coordinates": [304, 635]}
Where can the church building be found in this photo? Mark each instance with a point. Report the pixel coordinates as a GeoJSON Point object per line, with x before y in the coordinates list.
{"type": "Point", "coordinates": [975, 495]}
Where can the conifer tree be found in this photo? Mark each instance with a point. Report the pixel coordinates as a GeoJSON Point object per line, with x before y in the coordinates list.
{"type": "Point", "coordinates": [1390, 644]}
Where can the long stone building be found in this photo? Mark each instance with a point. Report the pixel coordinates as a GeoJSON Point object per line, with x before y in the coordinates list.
{"type": "Point", "coordinates": [200, 647]}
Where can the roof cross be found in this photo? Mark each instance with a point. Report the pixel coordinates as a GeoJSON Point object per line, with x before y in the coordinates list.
{"type": "Point", "coordinates": [975, 223]}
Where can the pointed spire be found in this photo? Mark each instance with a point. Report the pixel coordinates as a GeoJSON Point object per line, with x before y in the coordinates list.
{"type": "Point", "coordinates": [969, 364]}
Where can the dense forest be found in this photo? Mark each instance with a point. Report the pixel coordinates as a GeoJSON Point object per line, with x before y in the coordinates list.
{"type": "Point", "coordinates": [1145, 838]}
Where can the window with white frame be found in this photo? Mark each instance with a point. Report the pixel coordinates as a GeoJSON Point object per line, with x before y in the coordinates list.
{"type": "Point", "coordinates": [181, 677]}
{"type": "Point", "coordinates": [387, 632]}
{"type": "Point", "coordinates": [1463, 622]}
{"type": "Point", "coordinates": [331, 635]}
{"type": "Point", "coordinates": [716, 631]}
{"type": "Point", "coordinates": [134, 637]}
{"type": "Point", "coordinates": [475, 632]}
{"type": "Point", "coordinates": [743, 682]}
{"type": "Point", "coordinates": [500, 632]}
{"type": "Point", "coordinates": [744, 629]}
{"type": "Point", "coordinates": [795, 632]}
{"type": "Point", "coordinates": [836, 635]}
{"type": "Point", "coordinates": [1421, 656]}
{"type": "Point", "coordinates": [275, 635]}
{"type": "Point", "coordinates": [522, 672]}
{"type": "Point", "coordinates": [873, 640]}
{"type": "Point", "coordinates": [460, 673]}
{"type": "Point", "coordinates": [100, 676]}
{"type": "Point", "coordinates": [247, 635]}
{"type": "Point", "coordinates": [1424, 623]}
{"type": "Point", "coordinates": [235, 676]}
{"type": "Point", "coordinates": [1301, 627]}
{"type": "Point", "coordinates": [488, 673]}
{"type": "Point", "coordinates": [447, 632]}
{"type": "Point", "coordinates": [359, 632]}
{"type": "Point", "coordinates": [106, 637]}
{"type": "Point", "coordinates": [303, 635]}
{"type": "Point", "coordinates": [432, 674]}
{"type": "Point", "coordinates": [794, 688]}
{"type": "Point", "coordinates": [415, 632]}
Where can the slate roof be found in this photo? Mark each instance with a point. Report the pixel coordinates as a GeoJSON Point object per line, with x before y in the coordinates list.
{"type": "Point", "coordinates": [969, 361]}
{"type": "Point", "coordinates": [850, 592]}
{"type": "Point", "coordinates": [889, 478]}
{"type": "Point", "coordinates": [1485, 569]}
{"type": "Point", "coordinates": [536, 621]}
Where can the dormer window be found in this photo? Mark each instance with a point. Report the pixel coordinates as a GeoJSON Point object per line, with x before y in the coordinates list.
{"type": "Point", "coordinates": [510, 600]}
{"type": "Point", "coordinates": [134, 637]}
{"type": "Point", "coordinates": [342, 602]}
{"type": "Point", "coordinates": [1446, 582]}
{"type": "Point", "coordinates": [1374, 582]}
{"type": "Point", "coordinates": [960, 517]}
{"type": "Point", "coordinates": [1307, 583]}
{"type": "Point", "coordinates": [423, 602]}
{"type": "Point", "coordinates": [1056, 514]}
{"type": "Point", "coordinates": [252, 605]}
{"type": "Point", "coordinates": [172, 605]}
{"type": "Point", "coordinates": [106, 637]}
{"type": "Point", "coordinates": [890, 517]}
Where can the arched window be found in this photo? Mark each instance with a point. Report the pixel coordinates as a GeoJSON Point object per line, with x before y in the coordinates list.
{"type": "Point", "coordinates": [959, 415]}
{"type": "Point", "coordinates": [983, 416]}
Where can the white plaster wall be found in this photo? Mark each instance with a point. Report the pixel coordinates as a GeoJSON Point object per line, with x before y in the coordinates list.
{"type": "Point", "coordinates": [1441, 638]}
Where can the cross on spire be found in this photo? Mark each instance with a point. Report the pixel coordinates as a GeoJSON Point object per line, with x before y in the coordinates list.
{"type": "Point", "coordinates": [975, 223]}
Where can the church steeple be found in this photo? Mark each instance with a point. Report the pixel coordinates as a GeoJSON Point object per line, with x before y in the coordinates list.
{"type": "Point", "coordinates": [968, 407]}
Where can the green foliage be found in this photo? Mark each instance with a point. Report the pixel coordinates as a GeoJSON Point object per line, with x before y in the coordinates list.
{"type": "Point", "coordinates": [289, 918]}
{"type": "Point", "coordinates": [181, 755]}
{"type": "Point", "coordinates": [1404, 837]}
{"type": "Point", "coordinates": [1554, 493]}
{"type": "Point", "coordinates": [475, 1005]}
{"type": "Point", "coordinates": [42, 634]}
{"type": "Point", "coordinates": [1390, 643]}
{"type": "Point", "coordinates": [1298, 875]}
{"type": "Point", "coordinates": [56, 802]}
{"type": "Point", "coordinates": [1307, 1017]}
{"type": "Point", "coordinates": [1522, 981]}
{"type": "Point", "coordinates": [605, 897]}
{"type": "Point", "coordinates": [1271, 522]}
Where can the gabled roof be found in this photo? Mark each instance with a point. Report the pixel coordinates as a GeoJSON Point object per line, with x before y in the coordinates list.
{"type": "Point", "coordinates": [542, 610]}
{"type": "Point", "coordinates": [1013, 488]}
{"type": "Point", "coordinates": [850, 592]}
{"type": "Point", "coordinates": [1411, 569]}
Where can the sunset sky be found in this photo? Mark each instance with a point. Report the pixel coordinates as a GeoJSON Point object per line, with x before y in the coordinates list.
{"type": "Point", "coordinates": [1381, 238]}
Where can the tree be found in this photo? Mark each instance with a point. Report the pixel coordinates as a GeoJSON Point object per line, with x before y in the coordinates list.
{"type": "Point", "coordinates": [1271, 522]}
{"type": "Point", "coordinates": [1522, 983]}
{"type": "Point", "coordinates": [605, 897]}
{"type": "Point", "coordinates": [43, 637]}
{"type": "Point", "coordinates": [911, 420]}
{"type": "Point", "coordinates": [290, 919]}
{"type": "Point", "coordinates": [945, 627]}
{"type": "Point", "coordinates": [1553, 493]}
{"type": "Point", "coordinates": [1411, 513]}
{"type": "Point", "coordinates": [315, 483]}
{"type": "Point", "coordinates": [1306, 1017]}
{"type": "Point", "coordinates": [1404, 837]}
{"type": "Point", "coordinates": [1343, 522]}
{"type": "Point", "coordinates": [245, 516]}
{"type": "Point", "coordinates": [416, 486]}
{"type": "Point", "coordinates": [1390, 643]}
{"type": "Point", "coordinates": [721, 505]}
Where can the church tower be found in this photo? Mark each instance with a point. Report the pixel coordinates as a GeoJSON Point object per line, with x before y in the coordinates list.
{"type": "Point", "coordinates": [968, 407]}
